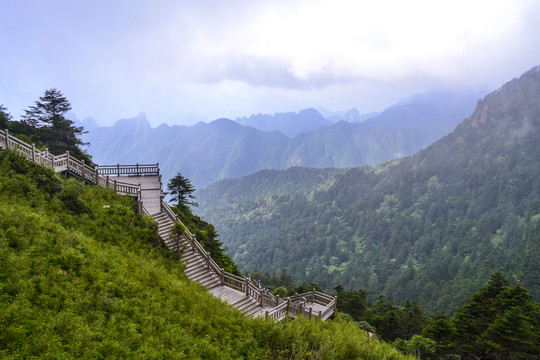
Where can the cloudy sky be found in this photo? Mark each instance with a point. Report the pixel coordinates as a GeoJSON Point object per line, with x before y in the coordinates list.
{"type": "Point", "coordinates": [181, 61]}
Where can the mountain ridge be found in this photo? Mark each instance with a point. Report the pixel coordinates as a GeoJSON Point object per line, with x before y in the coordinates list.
{"type": "Point", "coordinates": [428, 227]}
{"type": "Point", "coordinates": [221, 149]}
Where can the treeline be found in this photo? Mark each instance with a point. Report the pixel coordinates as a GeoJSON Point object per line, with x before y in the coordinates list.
{"type": "Point", "coordinates": [499, 321]}
{"type": "Point", "coordinates": [45, 125]}
{"type": "Point", "coordinates": [429, 228]}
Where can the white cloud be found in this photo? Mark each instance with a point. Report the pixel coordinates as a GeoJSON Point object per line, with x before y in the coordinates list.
{"type": "Point", "coordinates": [115, 59]}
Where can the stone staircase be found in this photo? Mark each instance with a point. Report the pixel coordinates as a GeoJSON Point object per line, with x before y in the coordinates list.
{"type": "Point", "coordinates": [143, 182]}
{"type": "Point", "coordinates": [198, 271]}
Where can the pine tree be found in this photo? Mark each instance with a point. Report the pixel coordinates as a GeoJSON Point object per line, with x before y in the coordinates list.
{"type": "Point", "coordinates": [52, 129]}
{"type": "Point", "coordinates": [499, 321]}
{"type": "Point", "coordinates": [5, 117]}
{"type": "Point", "coordinates": [181, 190]}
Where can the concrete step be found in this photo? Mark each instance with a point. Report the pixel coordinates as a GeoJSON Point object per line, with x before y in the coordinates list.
{"type": "Point", "coordinates": [202, 275]}
{"type": "Point", "coordinates": [244, 303]}
{"type": "Point", "coordinates": [254, 310]}
{"type": "Point", "coordinates": [190, 256]}
{"type": "Point", "coordinates": [195, 267]}
{"type": "Point", "coordinates": [211, 282]}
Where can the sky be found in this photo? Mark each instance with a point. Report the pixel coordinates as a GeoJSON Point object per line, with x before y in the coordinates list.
{"type": "Point", "coordinates": [180, 61]}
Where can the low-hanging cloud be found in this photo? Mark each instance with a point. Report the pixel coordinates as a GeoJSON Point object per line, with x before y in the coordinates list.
{"type": "Point", "coordinates": [268, 72]}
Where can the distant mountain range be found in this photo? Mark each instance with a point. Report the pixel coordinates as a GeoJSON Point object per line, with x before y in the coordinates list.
{"type": "Point", "coordinates": [223, 148]}
{"type": "Point", "coordinates": [431, 227]}
{"type": "Point", "coordinates": [289, 124]}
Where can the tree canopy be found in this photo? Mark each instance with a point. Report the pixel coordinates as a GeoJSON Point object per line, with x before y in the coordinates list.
{"type": "Point", "coordinates": [181, 190]}
{"type": "Point", "coordinates": [46, 121]}
{"type": "Point", "coordinates": [5, 117]}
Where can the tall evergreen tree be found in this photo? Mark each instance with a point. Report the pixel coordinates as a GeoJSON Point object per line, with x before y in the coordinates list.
{"type": "Point", "coordinates": [5, 117]}
{"type": "Point", "coordinates": [498, 322]}
{"type": "Point", "coordinates": [181, 190]}
{"type": "Point", "coordinates": [53, 129]}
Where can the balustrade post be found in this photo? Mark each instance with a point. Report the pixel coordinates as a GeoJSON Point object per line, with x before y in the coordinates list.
{"type": "Point", "coordinates": [138, 169]}
{"type": "Point", "coordinates": [261, 292]}
{"type": "Point", "coordinates": [48, 158]}
{"type": "Point", "coordinates": [277, 300]}
{"type": "Point", "coordinates": [118, 169]}
{"type": "Point", "coordinates": [107, 184]}
{"type": "Point", "coordinates": [222, 276]}
{"type": "Point", "coordinates": [247, 285]}
{"type": "Point", "coordinates": [207, 259]}
{"type": "Point", "coordinates": [301, 312]}
{"type": "Point", "coordinates": [288, 305]}
{"type": "Point", "coordinates": [7, 139]}
{"type": "Point", "coordinates": [310, 311]}
{"type": "Point", "coordinates": [33, 153]}
{"type": "Point", "coordinates": [114, 185]}
{"type": "Point", "coordinates": [82, 169]}
{"type": "Point", "coordinates": [96, 173]}
{"type": "Point", "coordinates": [320, 314]}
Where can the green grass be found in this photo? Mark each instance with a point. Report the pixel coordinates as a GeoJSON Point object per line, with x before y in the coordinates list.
{"type": "Point", "coordinates": [83, 276]}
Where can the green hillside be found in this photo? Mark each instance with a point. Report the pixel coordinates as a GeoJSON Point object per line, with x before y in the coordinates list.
{"type": "Point", "coordinates": [82, 275]}
{"type": "Point", "coordinates": [432, 227]}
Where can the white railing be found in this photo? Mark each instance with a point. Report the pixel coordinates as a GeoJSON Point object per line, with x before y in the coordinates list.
{"type": "Point", "coordinates": [69, 164]}
{"type": "Point", "coordinates": [129, 170]}
{"type": "Point", "coordinates": [99, 175]}
{"type": "Point", "coordinates": [280, 307]}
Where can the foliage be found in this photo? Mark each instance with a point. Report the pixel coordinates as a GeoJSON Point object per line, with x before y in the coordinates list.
{"type": "Point", "coordinates": [181, 190]}
{"type": "Point", "coordinates": [429, 228]}
{"type": "Point", "coordinates": [5, 117]}
{"type": "Point", "coordinates": [45, 125]}
{"type": "Point", "coordinates": [91, 285]}
{"type": "Point", "coordinates": [498, 322]}
{"type": "Point", "coordinates": [207, 236]}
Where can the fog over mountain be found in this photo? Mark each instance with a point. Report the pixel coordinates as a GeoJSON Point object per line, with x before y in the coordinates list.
{"type": "Point", "coordinates": [290, 123]}
{"type": "Point", "coordinates": [430, 227]}
{"type": "Point", "coordinates": [223, 148]}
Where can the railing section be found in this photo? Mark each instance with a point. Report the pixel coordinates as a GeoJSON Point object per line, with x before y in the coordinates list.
{"type": "Point", "coordinates": [294, 305]}
{"type": "Point", "coordinates": [297, 305]}
{"type": "Point", "coordinates": [65, 162]}
{"type": "Point", "coordinates": [129, 170]}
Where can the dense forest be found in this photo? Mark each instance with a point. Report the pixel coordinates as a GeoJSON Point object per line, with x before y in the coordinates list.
{"type": "Point", "coordinates": [430, 228]}
{"type": "Point", "coordinates": [499, 321]}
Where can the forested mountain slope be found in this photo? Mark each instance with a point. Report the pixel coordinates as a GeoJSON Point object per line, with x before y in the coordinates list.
{"type": "Point", "coordinates": [431, 227]}
{"type": "Point", "coordinates": [83, 276]}
{"type": "Point", "coordinates": [264, 182]}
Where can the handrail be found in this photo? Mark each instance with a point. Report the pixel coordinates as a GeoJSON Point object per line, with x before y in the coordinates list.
{"type": "Point", "coordinates": [236, 282]}
{"type": "Point", "coordinates": [100, 176]}
{"type": "Point", "coordinates": [65, 162]}
{"type": "Point", "coordinates": [129, 170]}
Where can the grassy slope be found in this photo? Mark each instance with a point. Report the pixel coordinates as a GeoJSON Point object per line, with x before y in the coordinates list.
{"type": "Point", "coordinates": [79, 279]}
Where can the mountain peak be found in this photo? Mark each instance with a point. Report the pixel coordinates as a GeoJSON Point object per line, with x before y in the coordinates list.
{"type": "Point", "coordinates": [139, 122]}
{"type": "Point", "coordinates": [516, 95]}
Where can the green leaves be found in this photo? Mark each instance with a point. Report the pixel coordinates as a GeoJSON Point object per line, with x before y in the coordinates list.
{"type": "Point", "coordinates": [91, 285]}
{"type": "Point", "coordinates": [182, 191]}
{"type": "Point", "coordinates": [499, 319]}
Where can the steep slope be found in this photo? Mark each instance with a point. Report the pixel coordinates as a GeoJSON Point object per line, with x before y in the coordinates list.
{"type": "Point", "coordinates": [83, 276]}
{"type": "Point", "coordinates": [431, 227]}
